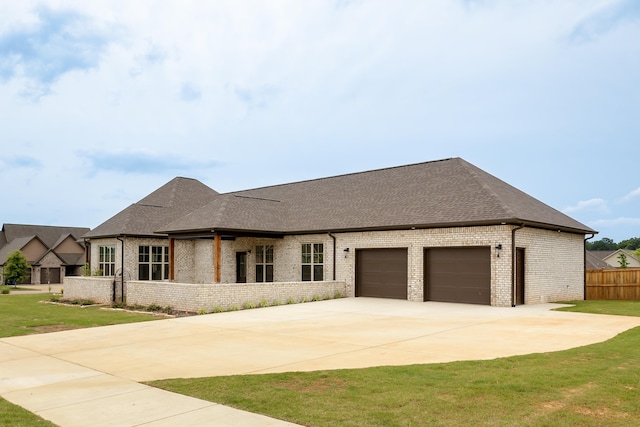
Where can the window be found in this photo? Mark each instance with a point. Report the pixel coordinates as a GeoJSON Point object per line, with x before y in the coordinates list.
{"type": "Point", "coordinates": [153, 263]}
{"type": "Point", "coordinates": [264, 263]}
{"type": "Point", "coordinates": [107, 260]}
{"type": "Point", "coordinates": [312, 262]}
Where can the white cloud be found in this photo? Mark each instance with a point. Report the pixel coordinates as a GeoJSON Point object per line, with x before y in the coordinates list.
{"type": "Point", "coordinates": [632, 195]}
{"type": "Point", "coordinates": [591, 205]}
{"type": "Point", "coordinates": [621, 221]}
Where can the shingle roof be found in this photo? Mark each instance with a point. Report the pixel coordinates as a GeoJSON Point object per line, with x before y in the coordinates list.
{"type": "Point", "coordinates": [47, 233]}
{"type": "Point", "coordinates": [169, 202]}
{"type": "Point", "coordinates": [448, 192]}
{"type": "Point", "coordinates": [14, 245]}
{"type": "Point", "coordinates": [594, 262]}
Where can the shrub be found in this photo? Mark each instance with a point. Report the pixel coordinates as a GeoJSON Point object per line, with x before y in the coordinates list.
{"type": "Point", "coordinates": [291, 301]}
{"type": "Point", "coordinates": [338, 294]}
{"type": "Point", "coordinates": [5, 290]}
{"type": "Point", "coordinates": [249, 305]}
{"type": "Point", "coordinates": [154, 307]}
{"type": "Point", "coordinates": [316, 298]}
{"type": "Point", "coordinates": [202, 310]}
{"type": "Point", "coordinates": [234, 308]}
{"type": "Point", "coordinates": [277, 302]}
{"type": "Point", "coordinates": [264, 303]}
{"type": "Point", "coordinates": [217, 309]}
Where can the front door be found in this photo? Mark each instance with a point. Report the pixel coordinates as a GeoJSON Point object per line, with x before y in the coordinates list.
{"type": "Point", "coordinates": [241, 267]}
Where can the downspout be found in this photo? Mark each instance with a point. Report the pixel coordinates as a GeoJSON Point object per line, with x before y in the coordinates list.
{"type": "Point", "coordinates": [585, 264]}
{"type": "Point", "coordinates": [334, 255]}
{"type": "Point", "coordinates": [121, 269]}
{"type": "Point", "coordinates": [513, 264]}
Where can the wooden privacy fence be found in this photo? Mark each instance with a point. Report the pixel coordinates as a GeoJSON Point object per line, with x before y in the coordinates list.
{"type": "Point", "coordinates": [613, 284]}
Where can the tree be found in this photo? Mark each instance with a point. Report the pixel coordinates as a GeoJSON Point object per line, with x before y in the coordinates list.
{"type": "Point", "coordinates": [16, 267]}
{"type": "Point", "coordinates": [622, 260]}
{"type": "Point", "coordinates": [605, 244]}
{"type": "Point", "coordinates": [631, 244]}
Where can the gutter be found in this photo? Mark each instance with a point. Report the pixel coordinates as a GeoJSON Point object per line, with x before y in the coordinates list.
{"type": "Point", "coordinates": [585, 264]}
{"type": "Point", "coordinates": [513, 264]}
{"type": "Point", "coordinates": [334, 254]}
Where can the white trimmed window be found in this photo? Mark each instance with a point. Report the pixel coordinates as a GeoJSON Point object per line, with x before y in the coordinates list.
{"type": "Point", "coordinates": [153, 263]}
{"type": "Point", "coordinates": [312, 262]}
{"type": "Point", "coordinates": [264, 263]}
{"type": "Point", "coordinates": [107, 260]}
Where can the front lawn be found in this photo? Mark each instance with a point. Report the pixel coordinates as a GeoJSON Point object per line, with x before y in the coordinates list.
{"type": "Point", "coordinates": [595, 385]}
{"type": "Point", "coordinates": [15, 416]}
{"type": "Point", "coordinates": [621, 308]}
{"type": "Point", "coordinates": [26, 314]}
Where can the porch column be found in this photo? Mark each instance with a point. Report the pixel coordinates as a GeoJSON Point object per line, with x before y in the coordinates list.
{"type": "Point", "coordinates": [217, 257]}
{"type": "Point", "coordinates": [172, 259]}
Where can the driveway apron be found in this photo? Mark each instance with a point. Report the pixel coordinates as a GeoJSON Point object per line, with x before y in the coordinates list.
{"type": "Point", "coordinates": [90, 377]}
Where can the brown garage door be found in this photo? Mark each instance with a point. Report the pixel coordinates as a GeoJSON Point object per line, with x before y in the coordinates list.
{"type": "Point", "coordinates": [49, 275]}
{"type": "Point", "coordinates": [458, 275]}
{"type": "Point", "coordinates": [381, 273]}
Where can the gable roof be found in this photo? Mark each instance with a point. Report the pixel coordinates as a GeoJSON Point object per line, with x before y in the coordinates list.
{"type": "Point", "coordinates": [444, 193]}
{"type": "Point", "coordinates": [594, 262]}
{"type": "Point", "coordinates": [49, 234]}
{"type": "Point", "coordinates": [169, 202]}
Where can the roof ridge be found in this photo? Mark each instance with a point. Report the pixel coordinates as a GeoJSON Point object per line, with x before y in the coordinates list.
{"type": "Point", "coordinates": [255, 198]}
{"type": "Point", "coordinates": [473, 171]}
{"type": "Point", "coordinates": [341, 175]}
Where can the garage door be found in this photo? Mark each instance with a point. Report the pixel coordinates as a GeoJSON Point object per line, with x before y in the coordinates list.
{"type": "Point", "coordinates": [381, 273]}
{"type": "Point", "coordinates": [458, 275]}
{"type": "Point", "coordinates": [49, 275]}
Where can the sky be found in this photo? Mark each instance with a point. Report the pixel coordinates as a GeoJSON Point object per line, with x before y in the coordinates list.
{"type": "Point", "coordinates": [102, 102]}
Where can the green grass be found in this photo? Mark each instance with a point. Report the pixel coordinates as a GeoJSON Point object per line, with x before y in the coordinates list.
{"type": "Point", "coordinates": [595, 385]}
{"type": "Point", "coordinates": [621, 308]}
{"type": "Point", "coordinates": [25, 314]}
{"type": "Point", "coordinates": [14, 416]}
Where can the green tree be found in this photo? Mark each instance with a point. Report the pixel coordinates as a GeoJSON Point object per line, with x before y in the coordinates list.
{"type": "Point", "coordinates": [622, 260]}
{"type": "Point", "coordinates": [631, 244]}
{"type": "Point", "coordinates": [16, 267]}
{"type": "Point", "coordinates": [604, 244]}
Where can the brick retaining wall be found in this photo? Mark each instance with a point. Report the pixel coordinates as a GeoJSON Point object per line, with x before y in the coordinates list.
{"type": "Point", "coordinates": [197, 297]}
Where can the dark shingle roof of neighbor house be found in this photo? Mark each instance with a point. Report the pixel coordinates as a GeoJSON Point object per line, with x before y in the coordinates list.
{"type": "Point", "coordinates": [444, 193]}
{"type": "Point", "coordinates": [168, 203]}
{"type": "Point", "coordinates": [49, 234]}
{"type": "Point", "coordinates": [595, 262]}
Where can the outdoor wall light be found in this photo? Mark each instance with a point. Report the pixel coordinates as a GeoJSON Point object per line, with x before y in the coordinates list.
{"type": "Point", "coordinates": [498, 249]}
{"type": "Point", "coordinates": [346, 249]}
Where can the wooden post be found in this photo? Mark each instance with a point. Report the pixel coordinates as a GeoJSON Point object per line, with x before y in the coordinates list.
{"type": "Point", "coordinates": [217, 257]}
{"type": "Point", "coordinates": [172, 259]}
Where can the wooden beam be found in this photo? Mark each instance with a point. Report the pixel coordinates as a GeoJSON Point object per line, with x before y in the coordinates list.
{"type": "Point", "coordinates": [217, 256]}
{"type": "Point", "coordinates": [172, 259]}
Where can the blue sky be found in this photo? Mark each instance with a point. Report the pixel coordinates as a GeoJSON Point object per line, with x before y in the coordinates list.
{"type": "Point", "coordinates": [102, 102]}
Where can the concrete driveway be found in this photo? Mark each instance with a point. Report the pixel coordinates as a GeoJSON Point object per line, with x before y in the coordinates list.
{"type": "Point", "coordinates": [73, 377]}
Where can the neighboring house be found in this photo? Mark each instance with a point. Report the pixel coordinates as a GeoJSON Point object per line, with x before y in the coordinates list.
{"type": "Point", "coordinates": [435, 231]}
{"type": "Point", "coordinates": [612, 258]}
{"type": "Point", "coordinates": [594, 262]}
{"type": "Point", "coordinates": [53, 252]}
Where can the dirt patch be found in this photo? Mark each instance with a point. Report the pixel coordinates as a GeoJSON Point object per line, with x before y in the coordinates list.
{"type": "Point", "coordinates": [44, 329]}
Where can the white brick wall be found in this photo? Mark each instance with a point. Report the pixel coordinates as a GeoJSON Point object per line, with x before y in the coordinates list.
{"type": "Point", "coordinates": [97, 289]}
{"type": "Point", "coordinates": [196, 297]}
{"type": "Point", "coordinates": [553, 261]}
{"type": "Point", "coordinates": [554, 265]}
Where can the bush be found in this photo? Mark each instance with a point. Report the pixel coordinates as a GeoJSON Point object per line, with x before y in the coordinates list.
{"type": "Point", "coordinates": [5, 290]}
